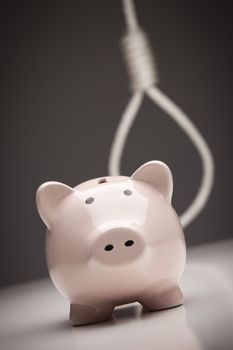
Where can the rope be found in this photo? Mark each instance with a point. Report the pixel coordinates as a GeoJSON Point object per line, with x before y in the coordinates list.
{"type": "Point", "coordinates": [199, 142]}
{"type": "Point", "coordinates": [143, 77]}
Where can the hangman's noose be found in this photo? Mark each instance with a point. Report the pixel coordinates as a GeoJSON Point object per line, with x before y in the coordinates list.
{"type": "Point", "coordinates": [143, 80]}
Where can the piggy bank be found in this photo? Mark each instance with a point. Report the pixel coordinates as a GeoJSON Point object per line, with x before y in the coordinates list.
{"type": "Point", "coordinates": [114, 240]}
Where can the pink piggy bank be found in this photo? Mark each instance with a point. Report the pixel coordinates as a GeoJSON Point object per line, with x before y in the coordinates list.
{"type": "Point", "coordinates": [114, 240]}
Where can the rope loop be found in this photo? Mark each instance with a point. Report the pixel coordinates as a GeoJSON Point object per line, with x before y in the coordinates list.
{"type": "Point", "coordinates": [143, 78]}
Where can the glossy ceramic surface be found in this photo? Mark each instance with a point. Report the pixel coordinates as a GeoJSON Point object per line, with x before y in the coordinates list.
{"type": "Point", "coordinates": [114, 240]}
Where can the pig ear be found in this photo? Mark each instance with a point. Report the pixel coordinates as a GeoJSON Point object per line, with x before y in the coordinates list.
{"type": "Point", "coordinates": [158, 175]}
{"type": "Point", "coordinates": [48, 197]}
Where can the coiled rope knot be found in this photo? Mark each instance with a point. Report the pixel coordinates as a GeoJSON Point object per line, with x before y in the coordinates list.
{"type": "Point", "coordinates": [139, 60]}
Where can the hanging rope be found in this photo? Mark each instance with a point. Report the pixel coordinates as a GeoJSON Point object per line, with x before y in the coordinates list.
{"type": "Point", "coordinates": [143, 77]}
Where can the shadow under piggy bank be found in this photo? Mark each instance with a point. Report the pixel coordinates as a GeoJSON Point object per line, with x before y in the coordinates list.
{"type": "Point", "coordinates": [132, 327]}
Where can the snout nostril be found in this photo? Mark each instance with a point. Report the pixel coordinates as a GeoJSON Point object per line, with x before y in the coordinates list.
{"type": "Point", "coordinates": [108, 247]}
{"type": "Point", "coordinates": [129, 243]}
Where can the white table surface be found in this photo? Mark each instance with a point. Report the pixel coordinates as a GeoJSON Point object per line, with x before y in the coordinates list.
{"type": "Point", "coordinates": [34, 315]}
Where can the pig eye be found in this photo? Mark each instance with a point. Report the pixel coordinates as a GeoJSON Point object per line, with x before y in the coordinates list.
{"type": "Point", "coordinates": [89, 200]}
{"type": "Point", "coordinates": [127, 192]}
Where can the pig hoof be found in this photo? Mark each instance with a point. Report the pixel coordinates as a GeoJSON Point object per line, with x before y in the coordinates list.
{"type": "Point", "coordinates": [85, 314]}
{"type": "Point", "coordinates": [168, 299]}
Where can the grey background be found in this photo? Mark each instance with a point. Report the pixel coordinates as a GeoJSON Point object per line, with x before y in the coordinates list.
{"type": "Point", "coordinates": [63, 91]}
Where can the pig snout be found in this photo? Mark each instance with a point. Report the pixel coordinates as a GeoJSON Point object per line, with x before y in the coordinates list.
{"type": "Point", "coordinates": [118, 245]}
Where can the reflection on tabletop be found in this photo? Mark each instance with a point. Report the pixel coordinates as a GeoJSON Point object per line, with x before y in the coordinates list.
{"type": "Point", "coordinates": [34, 315]}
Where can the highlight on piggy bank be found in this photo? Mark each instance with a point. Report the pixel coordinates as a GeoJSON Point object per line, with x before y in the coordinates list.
{"type": "Point", "coordinates": [114, 240]}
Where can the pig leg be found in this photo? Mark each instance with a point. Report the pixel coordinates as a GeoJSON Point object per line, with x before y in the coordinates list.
{"type": "Point", "coordinates": [81, 314]}
{"type": "Point", "coordinates": [167, 299]}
